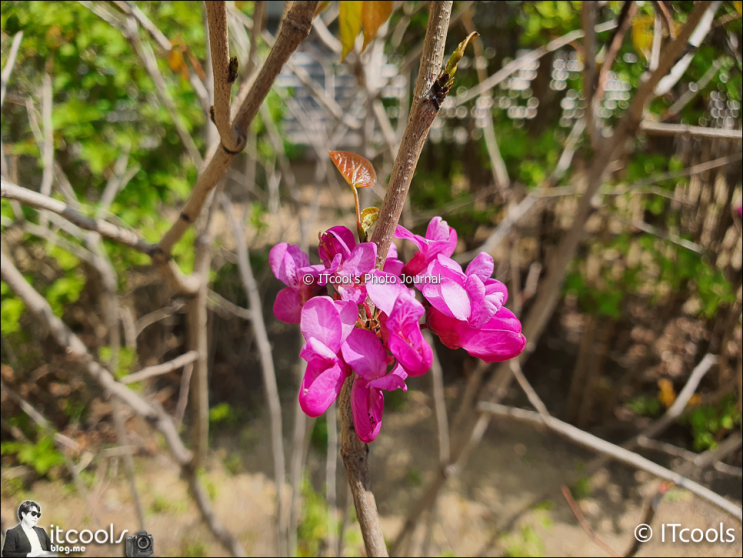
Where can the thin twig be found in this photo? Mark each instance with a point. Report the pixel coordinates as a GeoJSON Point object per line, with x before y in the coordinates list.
{"type": "Point", "coordinates": [584, 524]}
{"type": "Point", "coordinates": [612, 451]}
{"type": "Point", "coordinates": [164, 368]}
{"type": "Point", "coordinates": [8, 69]}
{"type": "Point", "coordinates": [525, 60]}
{"type": "Point", "coordinates": [439, 403]}
{"type": "Point", "coordinates": [294, 29]}
{"type": "Point", "coordinates": [75, 349]}
{"type": "Point", "coordinates": [662, 129]}
{"type": "Point", "coordinates": [267, 366]}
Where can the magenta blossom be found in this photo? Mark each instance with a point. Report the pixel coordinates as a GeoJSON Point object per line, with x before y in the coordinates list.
{"type": "Point", "coordinates": [400, 320]}
{"type": "Point", "coordinates": [348, 274]}
{"type": "Point", "coordinates": [402, 332]}
{"type": "Point", "coordinates": [340, 240]}
{"type": "Point", "coordinates": [326, 324]}
{"type": "Point", "coordinates": [290, 266]}
{"type": "Point", "coordinates": [470, 296]}
{"type": "Point", "coordinates": [440, 239]}
{"type": "Point", "coordinates": [364, 353]}
{"type": "Point", "coordinates": [499, 339]}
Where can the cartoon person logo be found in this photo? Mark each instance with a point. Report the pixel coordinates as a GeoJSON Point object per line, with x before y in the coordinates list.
{"type": "Point", "coordinates": [26, 538]}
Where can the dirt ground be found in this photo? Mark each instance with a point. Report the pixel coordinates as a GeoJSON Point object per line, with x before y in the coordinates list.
{"type": "Point", "coordinates": [507, 501]}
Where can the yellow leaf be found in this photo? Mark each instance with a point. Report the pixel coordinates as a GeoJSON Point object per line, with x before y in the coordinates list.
{"type": "Point", "coordinates": [357, 170]}
{"type": "Point", "coordinates": [642, 34]}
{"type": "Point", "coordinates": [349, 19]}
{"type": "Point", "coordinates": [739, 7]}
{"type": "Point", "coordinates": [321, 8]}
{"type": "Point", "coordinates": [177, 63]}
{"type": "Point", "coordinates": [373, 15]}
{"type": "Point", "coordinates": [667, 395]}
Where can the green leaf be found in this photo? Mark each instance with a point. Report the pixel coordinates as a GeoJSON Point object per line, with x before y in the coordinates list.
{"type": "Point", "coordinates": [456, 56]}
{"type": "Point", "coordinates": [349, 19]}
{"type": "Point", "coordinates": [369, 217]}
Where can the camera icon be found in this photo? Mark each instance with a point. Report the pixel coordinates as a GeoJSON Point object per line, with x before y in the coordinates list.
{"type": "Point", "coordinates": [141, 544]}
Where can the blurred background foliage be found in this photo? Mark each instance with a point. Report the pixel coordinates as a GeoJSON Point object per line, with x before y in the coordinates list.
{"type": "Point", "coordinates": [659, 305]}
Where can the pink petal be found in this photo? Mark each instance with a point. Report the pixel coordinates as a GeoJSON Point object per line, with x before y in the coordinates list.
{"type": "Point", "coordinates": [482, 308]}
{"type": "Point", "coordinates": [383, 289]}
{"type": "Point", "coordinates": [392, 381]}
{"type": "Point", "coordinates": [496, 292]}
{"type": "Point", "coordinates": [287, 307]}
{"type": "Point", "coordinates": [392, 264]}
{"type": "Point", "coordinates": [355, 293]}
{"type": "Point", "coordinates": [321, 320]}
{"type": "Point", "coordinates": [367, 405]}
{"type": "Point", "coordinates": [448, 297]}
{"type": "Point", "coordinates": [445, 327]}
{"type": "Point", "coordinates": [285, 261]}
{"type": "Point", "coordinates": [405, 339]}
{"type": "Point", "coordinates": [361, 259]}
{"type": "Point", "coordinates": [364, 352]}
{"type": "Point", "coordinates": [336, 240]}
{"type": "Point", "coordinates": [348, 313]}
{"type": "Point", "coordinates": [320, 387]}
{"type": "Point", "coordinates": [437, 229]}
{"type": "Point", "coordinates": [492, 346]}
{"type": "Point", "coordinates": [482, 266]}
{"type": "Point", "coordinates": [404, 234]}
{"type": "Point", "coordinates": [504, 320]}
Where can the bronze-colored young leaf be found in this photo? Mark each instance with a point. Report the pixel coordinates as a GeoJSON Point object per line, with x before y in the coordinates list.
{"type": "Point", "coordinates": [373, 15]}
{"type": "Point", "coordinates": [357, 170]}
{"type": "Point", "coordinates": [368, 218]}
{"type": "Point", "coordinates": [349, 19]}
{"type": "Point", "coordinates": [456, 56]}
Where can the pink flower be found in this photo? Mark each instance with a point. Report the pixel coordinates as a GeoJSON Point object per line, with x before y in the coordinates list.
{"type": "Point", "coordinates": [336, 240]}
{"type": "Point", "coordinates": [349, 272]}
{"type": "Point", "coordinates": [497, 340]}
{"type": "Point", "coordinates": [440, 239]}
{"type": "Point", "coordinates": [340, 240]}
{"type": "Point", "coordinates": [364, 353]}
{"type": "Point", "coordinates": [326, 324]}
{"type": "Point", "coordinates": [290, 266]}
{"type": "Point", "coordinates": [392, 264]}
{"type": "Point", "coordinates": [470, 296]}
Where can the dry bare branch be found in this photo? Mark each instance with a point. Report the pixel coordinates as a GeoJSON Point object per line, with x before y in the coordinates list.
{"type": "Point", "coordinates": [612, 451]}
{"type": "Point", "coordinates": [151, 411]}
{"type": "Point", "coordinates": [8, 69]}
{"type": "Point", "coordinates": [294, 29]}
{"type": "Point", "coordinates": [164, 368]}
{"type": "Point", "coordinates": [267, 366]}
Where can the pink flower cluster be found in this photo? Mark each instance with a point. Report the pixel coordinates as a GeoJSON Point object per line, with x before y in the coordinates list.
{"type": "Point", "coordinates": [382, 348]}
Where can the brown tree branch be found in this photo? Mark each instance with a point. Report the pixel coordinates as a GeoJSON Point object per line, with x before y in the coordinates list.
{"type": "Point", "coordinates": [424, 110]}
{"type": "Point", "coordinates": [294, 29]}
{"type": "Point", "coordinates": [166, 266]}
{"type": "Point", "coordinates": [224, 74]}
